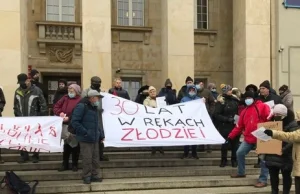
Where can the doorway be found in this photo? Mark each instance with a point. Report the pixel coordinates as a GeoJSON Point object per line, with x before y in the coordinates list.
{"type": "Point", "coordinates": [50, 82]}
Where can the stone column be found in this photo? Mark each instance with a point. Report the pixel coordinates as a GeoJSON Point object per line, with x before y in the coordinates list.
{"type": "Point", "coordinates": [251, 42]}
{"type": "Point", "coordinates": [13, 47]}
{"type": "Point", "coordinates": [177, 40]}
{"type": "Point", "coordinates": [96, 41]}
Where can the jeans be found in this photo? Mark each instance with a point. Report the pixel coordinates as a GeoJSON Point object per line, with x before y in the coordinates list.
{"type": "Point", "coordinates": [287, 180]}
{"type": "Point", "coordinates": [241, 153]}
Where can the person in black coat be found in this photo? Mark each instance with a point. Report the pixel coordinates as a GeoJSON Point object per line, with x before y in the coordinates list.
{"type": "Point", "coordinates": [2, 105]}
{"type": "Point", "coordinates": [225, 110]}
{"type": "Point", "coordinates": [142, 94]}
{"type": "Point", "coordinates": [283, 163]}
{"type": "Point", "coordinates": [61, 90]}
{"type": "Point", "coordinates": [169, 93]}
{"type": "Point", "coordinates": [267, 94]}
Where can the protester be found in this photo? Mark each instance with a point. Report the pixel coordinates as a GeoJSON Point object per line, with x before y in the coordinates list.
{"type": "Point", "coordinates": [284, 162]}
{"type": "Point", "coordinates": [143, 93]}
{"type": "Point", "coordinates": [35, 80]}
{"type": "Point", "coordinates": [238, 95]}
{"type": "Point", "coordinates": [88, 133]}
{"type": "Point", "coordinates": [2, 105]}
{"type": "Point", "coordinates": [290, 137]}
{"type": "Point", "coordinates": [209, 98]}
{"type": "Point", "coordinates": [64, 108]}
{"type": "Point", "coordinates": [266, 93]}
{"type": "Point", "coordinates": [287, 97]}
{"type": "Point", "coordinates": [213, 89]}
{"type": "Point", "coordinates": [151, 102]}
{"type": "Point", "coordinates": [225, 111]}
{"type": "Point", "coordinates": [29, 102]}
{"type": "Point", "coordinates": [168, 93]}
{"type": "Point", "coordinates": [183, 91]}
{"type": "Point", "coordinates": [255, 112]}
{"type": "Point", "coordinates": [61, 91]}
{"type": "Point", "coordinates": [96, 85]}
{"type": "Point", "coordinates": [253, 88]}
{"type": "Point", "coordinates": [191, 94]}
{"type": "Point", "coordinates": [117, 90]}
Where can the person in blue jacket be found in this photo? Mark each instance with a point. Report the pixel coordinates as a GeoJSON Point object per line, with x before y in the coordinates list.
{"type": "Point", "coordinates": [88, 132]}
{"type": "Point", "coordinates": [191, 94]}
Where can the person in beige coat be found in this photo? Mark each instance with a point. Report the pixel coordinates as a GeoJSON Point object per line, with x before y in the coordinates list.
{"type": "Point", "coordinates": [151, 102]}
{"type": "Point", "coordinates": [291, 137]}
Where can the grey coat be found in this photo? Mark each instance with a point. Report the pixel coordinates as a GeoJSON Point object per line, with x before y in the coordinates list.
{"type": "Point", "coordinates": [287, 99]}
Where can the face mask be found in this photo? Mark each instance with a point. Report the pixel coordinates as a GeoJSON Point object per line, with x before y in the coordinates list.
{"type": "Point", "coordinates": [145, 93]}
{"type": "Point", "coordinates": [95, 86]}
{"type": "Point", "coordinates": [249, 101]}
{"type": "Point", "coordinates": [192, 94]}
{"type": "Point", "coordinates": [213, 90]}
{"type": "Point", "coordinates": [278, 118]}
{"type": "Point", "coordinates": [198, 87]}
{"type": "Point", "coordinates": [23, 86]}
{"type": "Point", "coordinates": [97, 103]}
{"type": "Point", "coordinates": [189, 85]}
{"type": "Point", "coordinates": [169, 87]}
{"type": "Point", "coordinates": [71, 95]}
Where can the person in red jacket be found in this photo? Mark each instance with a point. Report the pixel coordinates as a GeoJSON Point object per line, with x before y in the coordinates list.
{"type": "Point", "coordinates": [64, 108]}
{"type": "Point", "coordinates": [255, 112]}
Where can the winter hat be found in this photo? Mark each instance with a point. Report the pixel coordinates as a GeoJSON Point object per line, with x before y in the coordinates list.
{"type": "Point", "coordinates": [168, 82]}
{"type": "Point", "coordinates": [251, 86]}
{"type": "Point", "coordinates": [62, 81]}
{"type": "Point", "coordinates": [96, 79]}
{"type": "Point", "coordinates": [151, 88]}
{"type": "Point", "coordinates": [248, 94]}
{"type": "Point", "coordinates": [94, 93]}
{"type": "Point", "coordinates": [76, 88]}
{"type": "Point", "coordinates": [265, 84]}
{"type": "Point", "coordinates": [280, 109]}
{"type": "Point", "coordinates": [226, 88]}
{"type": "Point", "coordinates": [33, 72]}
{"type": "Point", "coordinates": [22, 78]}
{"type": "Point", "coordinates": [283, 88]}
{"type": "Point", "coordinates": [188, 78]}
{"type": "Point", "coordinates": [211, 85]}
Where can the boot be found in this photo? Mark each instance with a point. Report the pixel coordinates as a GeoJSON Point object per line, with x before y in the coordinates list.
{"type": "Point", "coordinates": [234, 163]}
{"type": "Point", "coordinates": [223, 163]}
{"type": "Point", "coordinates": [276, 192]}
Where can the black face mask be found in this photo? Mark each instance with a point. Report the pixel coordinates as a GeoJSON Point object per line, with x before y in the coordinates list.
{"type": "Point", "coordinates": [169, 87]}
{"type": "Point", "coordinates": [36, 79]}
{"type": "Point", "coordinates": [277, 118]}
{"type": "Point", "coordinates": [145, 94]}
{"type": "Point", "coordinates": [95, 86]}
{"type": "Point", "coordinates": [23, 86]}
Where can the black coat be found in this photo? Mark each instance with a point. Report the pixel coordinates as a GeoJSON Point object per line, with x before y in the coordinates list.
{"type": "Point", "coordinates": [2, 101]}
{"type": "Point", "coordinates": [276, 98]}
{"type": "Point", "coordinates": [170, 95]}
{"type": "Point", "coordinates": [120, 92]}
{"type": "Point", "coordinates": [284, 161]}
{"type": "Point", "coordinates": [140, 96]}
{"type": "Point", "coordinates": [225, 110]}
{"type": "Point", "coordinates": [59, 94]}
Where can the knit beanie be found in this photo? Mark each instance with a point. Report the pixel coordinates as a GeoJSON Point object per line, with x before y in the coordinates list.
{"type": "Point", "coordinates": [33, 72]}
{"type": "Point", "coordinates": [188, 78]}
{"type": "Point", "coordinates": [248, 94]}
{"type": "Point", "coordinates": [151, 88]}
{"type": "Point", "coordinates": [63, 81]}
{"type": "Point", "coordinates": [168, 82]}
{"type": "Point", "coordinates": [283, 88]}
{"type": "Point", "coordinates": [76, 88]}
{"type": "Point", "coordinates": [226, 88]}
{"type": "Point", "coordinates": [280, 109]}
{"type": "Point", "coordinates": [265, 84]}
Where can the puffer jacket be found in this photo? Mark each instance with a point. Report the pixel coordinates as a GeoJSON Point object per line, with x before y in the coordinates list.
{"type": "Point", "coordinates": [226, 109]}
{"type": "Point", "coordinates": [66, 105]}
{"type": "Point", "coordinates": [291, 137]}
{"type": "Point", "coordinates": [257, 112]}
{"type": "Point", "coordinates": [120, 92]}
{"type": "Point", "coordinates": [150, 102]}
{"type": "Point", "coordinates": [287, 99]}
{"type": "Point", "coordinates": [29, 102]}
{"type": "Point", "coordinates": [284, 161]}
{"type": "Point", "coordinates": [85, 123]}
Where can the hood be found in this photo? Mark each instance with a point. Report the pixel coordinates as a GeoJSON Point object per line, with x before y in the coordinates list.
{"type": "Point", "coordinates": [145, 87]}
{"type": "Point", "coordinates": [168, 82]}
{"type": "Point", "coordinates": [251, 86]}
{"type": "Point", "coordinates": [188, 88]}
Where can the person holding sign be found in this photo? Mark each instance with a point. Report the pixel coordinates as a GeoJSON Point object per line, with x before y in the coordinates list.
{"type": "Point", "coordinates": [284, 162]}
{"type": "Point", "coordinates": [151, 102]}
{"type": "Point", "coordinates": [255, 112]}
{"type": "Point", "coordinates": [191, 94]}
{"type": "Point", "coordinates": [226, 109]}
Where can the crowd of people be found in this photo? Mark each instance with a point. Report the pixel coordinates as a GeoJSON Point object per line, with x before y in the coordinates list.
{"type": "Point", "coordinates": [233, 113]}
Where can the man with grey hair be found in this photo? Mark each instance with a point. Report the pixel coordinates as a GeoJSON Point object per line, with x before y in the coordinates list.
{"type": "Point", "coordinates": [117, 90]}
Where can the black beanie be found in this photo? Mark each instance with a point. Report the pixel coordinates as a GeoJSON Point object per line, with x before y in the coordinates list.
{"type": "Point", "coordinates": [188, 78]}
{"type": "Point", "coordinates": [283, 88]}
{"type": "Point", "coordinates": [265, 84]}
{"type": "Point", "coordinates": [33, 72]}
{"type": "Point", "coordinates": [248, 94]}
{"type": "Point", "coordinates": [63, 81]}
{"type": "Point", "coordinates": [168, 82]}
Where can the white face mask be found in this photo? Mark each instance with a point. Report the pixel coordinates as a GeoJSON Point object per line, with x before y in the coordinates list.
{"type": "Point", "coordinates": [249, 101]}
{"type": "Point", "coordinates": [213, 90]}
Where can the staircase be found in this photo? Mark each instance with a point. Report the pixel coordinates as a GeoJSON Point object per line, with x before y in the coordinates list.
{"type": "Point", "coordinates": [135, 171]}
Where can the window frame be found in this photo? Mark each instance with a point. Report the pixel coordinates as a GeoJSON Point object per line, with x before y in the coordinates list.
{"type": "Point", "coordinates": [60, 12]}
{"type": "Point", "coordinates": [130, 16]}
{"type": "Point", "coordinates": [196, 14]}
{"type": "Point", "coordinates": [130, 80]}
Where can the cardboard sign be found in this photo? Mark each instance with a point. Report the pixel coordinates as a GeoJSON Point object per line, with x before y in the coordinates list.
{"type": "Point", "coordinates": [273, 146]}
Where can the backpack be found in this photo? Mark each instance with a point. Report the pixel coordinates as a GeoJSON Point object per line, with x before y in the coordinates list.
{"type": "Point", "coordinates": [70, 127]}
{"type": "Point", "coordinates": [16, 185]}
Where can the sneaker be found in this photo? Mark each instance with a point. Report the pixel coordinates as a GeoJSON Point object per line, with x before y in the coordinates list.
{"type": "Point", "coordinates": [238, 176]}
{"type": "Point", "coordinates": [260, 185]}
{"type": "Point", "coordinates": [74, 169]}
{"type": "Point", "coordinates": [87, 180]}
{"type": "Point", "coordinates": [95, 178]}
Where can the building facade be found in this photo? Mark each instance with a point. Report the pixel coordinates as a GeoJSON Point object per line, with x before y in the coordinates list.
{"type": "Point", "coordinates": [148, 41]}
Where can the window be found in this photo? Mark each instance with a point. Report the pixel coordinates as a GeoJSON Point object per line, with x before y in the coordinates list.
{"type": "Point", "coordinates": [132, 85]}
{"type": "Point", "coordinates": [201, 14]}
{"type": "Point", "coordinates": [60, 10]}
{"type": "Point", "coordinates": [130, 12]}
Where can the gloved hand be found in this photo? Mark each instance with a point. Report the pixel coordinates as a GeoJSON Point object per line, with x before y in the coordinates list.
{"type": "Point", "coordinates": [268, 132]}
{"type": "Point", "coordinates": [231, 120]}
{"type": "Point", "coordinates": [228, 140]}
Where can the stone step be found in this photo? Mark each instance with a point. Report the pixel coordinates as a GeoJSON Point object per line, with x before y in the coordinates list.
{"type": "Point", "coordinates": [119, 173]}
{"type": "Point", "coordinates": [216, 190]}
{"type": "Point", "coordinates": [125, 155]}
{"type": "Point", "coordinates": [122, 163]}
{"type": "Point", "coordinates": [145, 184]}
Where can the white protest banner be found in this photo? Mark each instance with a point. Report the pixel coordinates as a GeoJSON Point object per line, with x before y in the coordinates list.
{"type": "Point", "coordinates": [32, 134]}
{"type": "Point", "coordinates": [128, 124]}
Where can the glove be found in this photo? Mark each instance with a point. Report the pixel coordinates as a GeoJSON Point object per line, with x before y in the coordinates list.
{"type": "Point", "coordinates": [228, 140]}
{"type": "Point", "coordinates": [230, 120]}
{"type": "Point", "coordinates": [268, 132]}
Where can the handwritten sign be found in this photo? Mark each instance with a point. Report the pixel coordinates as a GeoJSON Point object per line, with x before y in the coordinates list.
{"type": "Point", "coordinates": [272, 146]}
{"type": "Point", "coordinates": [32, 134]}
{"type": "Point", "coordinates": [128, 124]}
